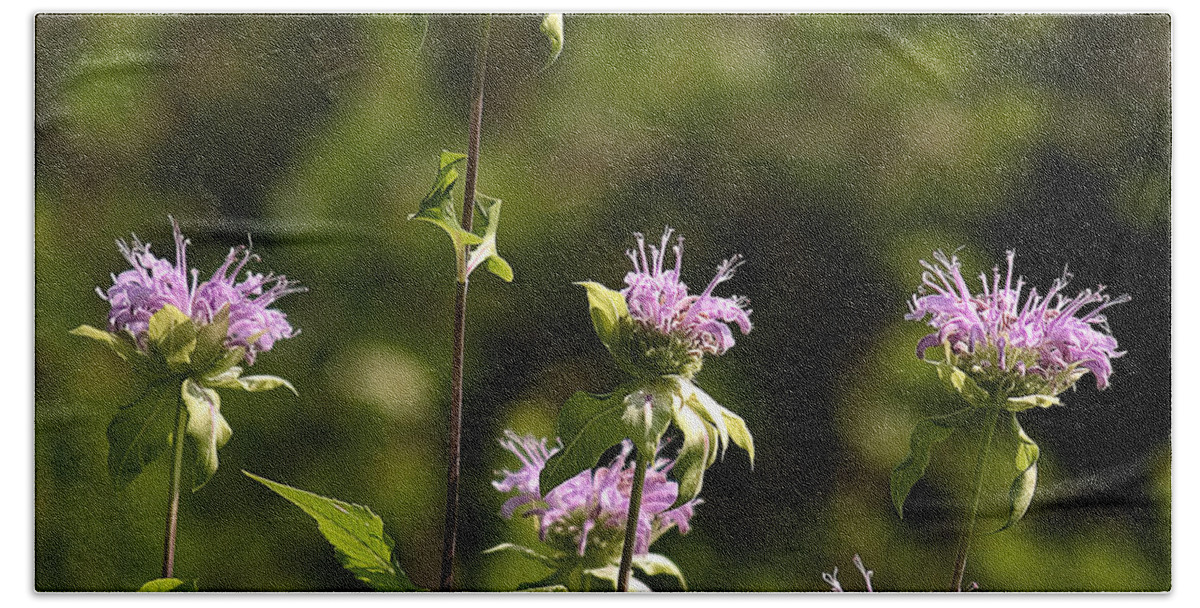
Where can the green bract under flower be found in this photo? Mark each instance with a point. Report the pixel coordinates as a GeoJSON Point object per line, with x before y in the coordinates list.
{"type": "Point", "coordinates": [986, 386]}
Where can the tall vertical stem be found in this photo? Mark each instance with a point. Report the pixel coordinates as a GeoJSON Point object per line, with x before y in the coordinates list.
{"type": "Point", "coordinates": [450, 531]}
{"type": "Point", "coordinates": [631, 525]}
{"type": "Point", "coordinates": [168, 569]}
{"type": "Point", "coordinates": [964, 545]}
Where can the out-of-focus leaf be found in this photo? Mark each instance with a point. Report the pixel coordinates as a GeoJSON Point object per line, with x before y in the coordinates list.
{"type": "Point", "coordinates": [206, 427]}
{"type": "Point", "coordinates": [161, 585]}
{"type": "Point", "coordinates": [552, 27]}
{"type": "Point", "coordinates": [356, 534]}
{"type": "Point", "coordinates": [588, 425]}
{"type": "Point", "coordinates": [122, 347]}
{"type": "Point", "coordinates": [605, 579]}
{"type": "Point", "coordinates": [1020, 494]}
{"type": "Point", "coordinates": [654, 564]}
{"type": "Point", "coordinates": [524, 552]}
{"type": "Point", "coordinates": [924, 435]}
{"type": "Point", "coordinates": [140, 431]}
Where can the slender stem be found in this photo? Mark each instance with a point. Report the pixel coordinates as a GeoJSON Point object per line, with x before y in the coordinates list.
{"type": "Point", "coordinates": [964, 545]}
{"type": "Point", "coordinates": [173, 494]}
{"type": "Point", "coordinates": [635, 512]}
{"type": "Point", "coordinates": [450, 531]}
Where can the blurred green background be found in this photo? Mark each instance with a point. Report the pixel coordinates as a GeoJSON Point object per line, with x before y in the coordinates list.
{"type": "Point", "coordinates": [834, 151]}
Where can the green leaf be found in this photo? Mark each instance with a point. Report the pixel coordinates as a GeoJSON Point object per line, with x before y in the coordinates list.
{"type": "Point", "coordinates": [958, 381]}
{"type": "Point", "coordinates": [206, 427]}
{"type": "Point", "coordinates": [648, 411]}
{"type": "Point", "coordinates": [740, 433]}
{"type": "Point", "coordinates": [606, 579]}
{"type": "Point", "coordinates": [524, 552]}
{"type": "Point", "coordinates": [140, 431]}
{"type": "Point", "coordinates": [552, 27]}
{"type": "Point", "coordinates": [924, 435]}
{"type": "Point", "coordinates": [437, 207]}
{"type": "Point", "coordinates": [708, 409]}
{"type": "Point", "coordinates": [609, 311]}
{"type": "Point", "coordinates": [160, 585]}
{"type": "Point", "coordinates": [698, 450]}
{"type": "Point", "coordinates": [488, 210]}
{"type": "Point", "coordinates": [122, 347]}
{"type": "Point", "coordinates": [1020, 404]}
{"type": "Point", "coordinates": [654, 564]}
{"type": "Point", "coordinates": [356, 534]}
{"type": "Point", "coordinates": [557, 588]}
{"type": "Point", "coordinates": [1020, 494]}
{"type": "Point", "coordinates": [173, 335]}
{"type": "Point", "coordinates": [210, 340]}
{"type": "Point", "coordinates": [588, 425]}
{"type": "Point", "coordinates": [232, 378]}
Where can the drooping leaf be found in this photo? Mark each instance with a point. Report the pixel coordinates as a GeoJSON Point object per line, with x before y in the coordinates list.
{"type": "Point", "coordinates": [173, 335]}
{"type": "Point", "coordinates": [698, 450]}
{"type": "Point", "coordinates": [232, 378]}
{"type": "Point", "coordinates": [1020, 493]}
{"type": "Point", "coordinates": [356, 534]}
{"type": "Point", "coordinates": [1020, 404]}
{"type": "Point", "coordinates": [140, 431]}
{"type": "Point", "coordinates": [122, 347]}
{"type": "Point", "coordinates": [740, 433]}
{"type": "Point", "coordinates": [487, 222]}
{"type": "Point", "coordinates": [437, 207]}
{"type": "Point", "coordinates": [524, 552]}
{"type": "Point", "coordinates": [654, 564]}
{"type": "Point", "coordinates": [924, 435]}
{"type": "Point", "coordinates": [609, 311]}
{"type": "Point", "coordinates": [588, 425]}
{"type": "Point", "coordinates": [552, 27]}
{"type": "Point", "coordinates": [649, 407]}
{"type": "Point", "coordinates": [206, 427]}
{"type": "Point", "coordinates": [605, 579]}
{"type": "Point", "coordinates": [161, 585]}
{"type": "Point", "coordinates": [709, 410]}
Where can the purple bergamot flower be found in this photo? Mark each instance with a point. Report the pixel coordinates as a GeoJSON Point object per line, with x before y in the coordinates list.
{"type": "Point", "coordinates": [584, 517]}
{"type": "Point", "coordinates": [1041, 345]}
{"type": "Point", "coordinates": [153, 282]}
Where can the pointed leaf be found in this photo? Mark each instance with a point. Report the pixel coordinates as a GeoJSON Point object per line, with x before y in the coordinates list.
{"type": "Point", "coordinates": [649, 408]}
{"type": "Point", "coordinates": [524, 552]}
{"type": "Point", "coordinates": [210, 340]}
{"type": "Point", "coordinates": [699, 447]}
{"type": "Point", "coordinates": [552, 27]}
{"type": "Point", "coordinates": [609, 311]}
{"type": "Point", "coordinates": [140, 431]}
{"type": "Point", "coordinates": [654, 564]}
{"type": "Point", "coordinates": [708, 409]}
{"type": "Point", "coordinates": [606, 579]}
{"type": "Point", "coordinates": [173, 335]}
{"type": "Point", "coordinates": [120, 346]}
{"type": "Point", "coordinates": [356, 534]}
{"type": "Point", "coordinates": [206, 427]}
{"type": "Point", "coordinates": [739, 433]}
{"type": "Point", "coordinates": [1020, 494]}
{"type": "Point", "coordinates": [486, 226]}
{"type": "Point", "coordinates": [437, 207]}
{"type": "Point", "coordinates": [250, 384]}
{"type": "Point", "coordinates": [1020, 404]}
{"type": "Point", "coordinates": [160, 585]}
{"type": "Point", "coordinates": [588, 425]}
{"type": "Point", "coordinates": [924, 435]}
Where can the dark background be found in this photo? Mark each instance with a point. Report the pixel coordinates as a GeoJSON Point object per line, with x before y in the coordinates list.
{"type": "Point", "coordinates": [834, 151]}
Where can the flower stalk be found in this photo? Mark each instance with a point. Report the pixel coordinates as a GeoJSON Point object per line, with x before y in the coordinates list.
{"type": "Point", "coordinates": [631, 524]}
{"type": "Point", "coordinates": [453, 449]}
{"type": "Point", "coordinates": [173, 490]}
{"type": "Point", "coordinates": [964, 544]}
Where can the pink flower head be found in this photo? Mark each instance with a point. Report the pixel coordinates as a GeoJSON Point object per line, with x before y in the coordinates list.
{"type": "Point", "coordinates": [152, 283]}
{"type": "Point", "coordinates": [591, 509]}
{"type": "Point", "coordinates": [1050, 336]}
{"type": "Point", "coordinates": [658, 300]}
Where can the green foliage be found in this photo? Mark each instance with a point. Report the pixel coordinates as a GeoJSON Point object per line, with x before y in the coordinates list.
{"type": "Point", "coordinates": [206, 427]}
{"type": "Point", "coordinates": [140, 431]}
{"type": "Point", "coordinates": [122, 347]}
{"type": "Point", "coordinates": [172, 336]}
{"type": "Point", "coordinates": [552, 27]}
{"type": "Point", "coordinates": [161, 585]}
{"type": "Point", "coordinates": [707, 428]}
{"type": "Point", "coordinates": [356, 534]}
{"type": "Point", "coordinates": [609, 312]}
{"type": "Point", "coordinates": [588, 425]}
{"type": "Point", "coordinates": [524, 552]}
{"type": "Point", "coordinates": [1020, 494]}
{"type": "Point", "coordinates": [438, 208]}
{"type": "Point", "coordinates": [655, 564]}
{"type": "Point", "coordinates": [1020, 404]}
{"type": "Point", "coordinates": [924, 435]}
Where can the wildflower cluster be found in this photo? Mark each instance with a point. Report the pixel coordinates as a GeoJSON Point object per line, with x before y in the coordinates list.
{"type": "Point", "coordinates": [1042, 345]}
{"type": "Point", "coordinates": [583, 519]}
